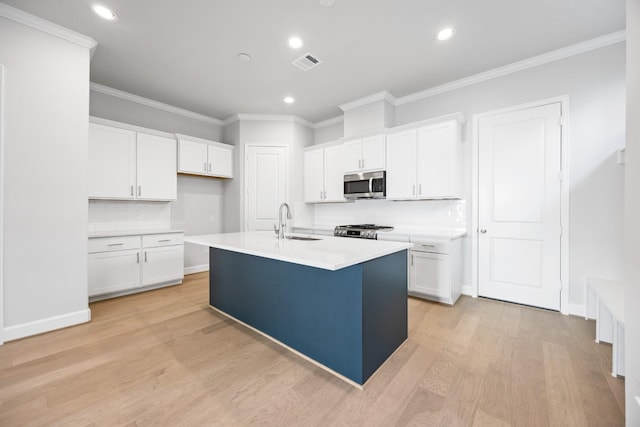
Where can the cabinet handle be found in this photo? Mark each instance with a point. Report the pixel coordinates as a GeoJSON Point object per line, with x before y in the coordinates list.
{"type": "Point", "coordinates": [420, 189]}
{"type": "Point", "coordinates": [413, 192]}
{"type": "Point", "coordinates": [320, 194]}
{"type": "Point", "coordinates": [205, 166]}
{"type": "Point", "coordinates": [411, 259]}
{"type": "Point", "coordinates": [139, 190]}
{"type": "Point", "coordinates": [131, 190]}
{"type": "Point", "coordinates": [115, 244]}
{"type": "Point", "coordinates": [145, 256]}
{"type": "Point", "coordinates": [209, 167]}
{"type": "Point", "coordinates": [362, 163]}
{"type": "Point", "coordinates": [138, 258]}
{"type": "Point", "coordinates": [164, 240]}
{"type": "Point", "coordinates": [324, 195]}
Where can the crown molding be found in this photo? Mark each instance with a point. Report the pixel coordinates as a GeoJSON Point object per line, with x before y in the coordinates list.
{"type": "Point", "coordinates": [379, 96]}
{"type": "Point", "coordinates": [152, 103]}
{"type": "Point", "coordinates": [24, 18]}
{"type": "Point", "coordinates": [535, 61]}
{"type": "Point", "coordinates": [268, 117]}
{"type": "Point", "coordinates": [328, 122]}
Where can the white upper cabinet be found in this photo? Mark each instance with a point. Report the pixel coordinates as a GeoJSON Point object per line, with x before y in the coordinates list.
{"type": "Point", "coordinates": [156, 161]}
{"type": "Point", "coordinates": [128, 165]}
{"type": "Point", "coordinates": [112, 162]}
{"type": "Point", "coordinates": [202, 157]}
{"type": "Point", "coordinates": [323, 174]}
{"type": "Point", "coordinates": [365, 154]}
{"type": "Point", "coordinates": [314, 175]}
{"type": "Point", "coordinates": [425, 163]}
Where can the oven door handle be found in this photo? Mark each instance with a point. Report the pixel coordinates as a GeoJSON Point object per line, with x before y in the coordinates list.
{"type": "Point", "coordinates": [371, 185]}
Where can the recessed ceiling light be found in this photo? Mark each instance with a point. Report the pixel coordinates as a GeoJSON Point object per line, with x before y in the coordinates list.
{"type": "Point", "coordinates": [289, 100]}
{"type": "Point", "coordinates": [105, 13]}
{"type": "Point", "coordinates": [243, 57]}
{"type": "Point", "coordinates": [295, 42]}
{"type": "Point", "coordinates": [445, 34]}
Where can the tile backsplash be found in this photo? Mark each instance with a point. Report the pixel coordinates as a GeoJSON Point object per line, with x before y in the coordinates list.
{"type": "Point", "coordinates": [426, 214]}
{"type": "Point", "coordinates": [116, 215]}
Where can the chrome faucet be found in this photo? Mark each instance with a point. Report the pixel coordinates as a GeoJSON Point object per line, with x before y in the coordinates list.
{"type": "Point", "coordinates": [282, 225]}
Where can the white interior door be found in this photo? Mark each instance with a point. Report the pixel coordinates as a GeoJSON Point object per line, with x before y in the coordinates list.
{"type": "Point", "coordinates": [266, 185]}
{"type": "Point", "coordinates": [519, 216]}
{"type": "Point", "coordinates": [1, 205]}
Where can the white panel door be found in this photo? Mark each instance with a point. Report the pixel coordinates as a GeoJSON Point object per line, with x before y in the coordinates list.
{"type": "Point", "coordinates": [193, 157]}
{"type": "Point", "coordinates": [220, 161]}
{"type": "Point", "coordinates": [519, 206]}
{"type": "Point", "coordinates": [157, 175]}
{"type": "Point", "coordinates": [334, 173]}
{"type": "Point", "coordinates": [373, 152]}
{"type": "Point", "coordinates": [113, 271]}
{"type": "Point", "coordinates": [162, 264]}
{"type": "Point", "coordinates": [401, 165]}
{"type": "Point", "coordinates": [266, 185]}
{"type": "Point", "coordinates": [112, 162]}
{"type": "Point", "coordinates": [313, 175]}
{"type": "Point", "coordinates": [429, 274]}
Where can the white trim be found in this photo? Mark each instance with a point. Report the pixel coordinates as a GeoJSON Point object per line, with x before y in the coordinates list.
{"type": "Point", "coordinates": [380, 96]}
{"type": "Point", "coordinates": [328, 122]}
{"type": "Point", "coordinates": [2, 204]}
{"type": "Point", "coordinates": [564, 196]}
{"type": "Point", "coordinates": [468, 290]}
{"type": "Point", "coordinates": [268, 117]}
{"type": "Point", "coordinates": [196, 269]}
{"type": "Point", "coordinates": [181, 137]}
{"type": "Point", "coordinates": [152, 103]}
{"type": "Point", "coordinates": [43, 25]}
{"type": "Point", "coordinates": [458, 117]}
{"type": "Point", "coordinates": [47, 325]}
{"type": "Point", "coordinates": [576, 310]}
{"type": "Point", "coordinates": [127, 126]}
{"type": "Point", "coordinates": [535, 61]}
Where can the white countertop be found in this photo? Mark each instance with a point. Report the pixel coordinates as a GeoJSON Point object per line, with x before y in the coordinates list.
{"type": "Point", "coordinates": [98, 234]}
{"type": "Point", "coordinates": [329, 253]}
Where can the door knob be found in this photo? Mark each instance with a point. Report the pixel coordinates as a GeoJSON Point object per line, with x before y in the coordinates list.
{"type": "Point", "coordinates": [483, 231]}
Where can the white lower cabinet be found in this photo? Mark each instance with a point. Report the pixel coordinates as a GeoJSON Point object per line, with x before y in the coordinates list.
{"type": "Point", "coordinates": [162, 264]}
{"type": "Point", "coordinates": [113, 271]}
{"type": "Point", "coordinates": [128, 264]}
{"type": "Point", "coordinates": [435, 270]}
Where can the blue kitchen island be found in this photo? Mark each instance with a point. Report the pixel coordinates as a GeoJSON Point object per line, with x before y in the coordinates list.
{"type": "Point", "coordinates": [341, 303]}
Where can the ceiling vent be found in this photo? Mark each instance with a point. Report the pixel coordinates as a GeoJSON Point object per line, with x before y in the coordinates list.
{"type": "Point", "coordinates": [306, 62]}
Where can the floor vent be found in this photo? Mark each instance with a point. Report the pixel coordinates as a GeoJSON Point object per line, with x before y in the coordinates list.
{"type": "Point", "coordinates": [306, 62]}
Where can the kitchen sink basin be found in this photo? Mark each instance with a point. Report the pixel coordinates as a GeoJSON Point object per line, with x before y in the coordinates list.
{"type": "Point", "coordinates": [300, 238]}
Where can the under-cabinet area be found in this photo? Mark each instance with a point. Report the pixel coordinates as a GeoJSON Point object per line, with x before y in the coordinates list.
{"type": "Point", "coordinates": [120, 265]}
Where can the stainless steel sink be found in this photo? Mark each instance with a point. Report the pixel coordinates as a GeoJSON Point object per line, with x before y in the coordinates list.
{"type": "Point", "coordinates": [300, 238]}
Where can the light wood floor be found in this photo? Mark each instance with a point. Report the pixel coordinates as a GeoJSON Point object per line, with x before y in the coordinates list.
{"type": "Point", "coordinates": [165, 358]}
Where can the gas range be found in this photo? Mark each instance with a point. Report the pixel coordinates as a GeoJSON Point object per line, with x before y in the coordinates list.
{"type": "Point", "coordinates": [362, 231]}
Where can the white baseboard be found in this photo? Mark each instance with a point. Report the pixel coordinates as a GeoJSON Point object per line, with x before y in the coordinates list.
{"type": "Point", "coordinates": [576, 309]}
{"type": "Point", "coordinates": [196, 269]}
{"type": "Point", "coordinates": [468, 290]}
{"type": "Point", "coordinates": [46, 325]}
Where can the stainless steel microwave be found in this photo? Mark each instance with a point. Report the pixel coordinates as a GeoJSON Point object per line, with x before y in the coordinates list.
{"type": "Point", "coordinates": [365, 185]}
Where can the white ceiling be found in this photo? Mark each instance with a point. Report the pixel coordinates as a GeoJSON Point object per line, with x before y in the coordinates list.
{"type": "Point", "coordinates": [183, 53]}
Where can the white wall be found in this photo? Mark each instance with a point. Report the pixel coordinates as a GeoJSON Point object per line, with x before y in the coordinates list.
{"type": "Point", "coordinates": [199, 205]}
{"type": "Point", "coordinates": [46, 113]}
{"type": "Point", "coordinates": [328, 133]}
{"type": "Point", "coordinates": [234, 204]}
{"type": "Point", "coordinates": [632, 212]}
{"type": "Point", "coordinates": [373, 116]}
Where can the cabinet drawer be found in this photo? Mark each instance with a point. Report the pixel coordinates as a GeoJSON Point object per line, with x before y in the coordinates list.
{"type": "Point", "coordinates": [108, 244]}
{"type": "Point", "coordinates": [166, 239]}
{"type": "Point", "coordinates": [434, 246]}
